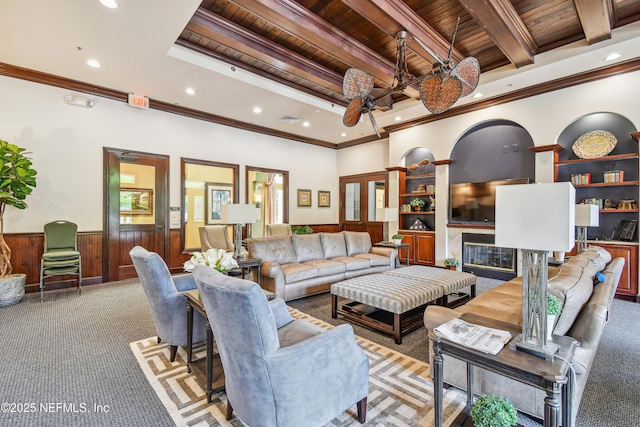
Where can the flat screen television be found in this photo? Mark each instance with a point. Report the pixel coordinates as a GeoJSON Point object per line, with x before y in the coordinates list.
{"type": "Point", "coordinates": [476, 202]}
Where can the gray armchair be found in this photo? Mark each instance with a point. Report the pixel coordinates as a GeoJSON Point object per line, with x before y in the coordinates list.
{"type": "Point", "coordinates": [165, 294]}
{"type": "Point", "coordinates": [280, 371]}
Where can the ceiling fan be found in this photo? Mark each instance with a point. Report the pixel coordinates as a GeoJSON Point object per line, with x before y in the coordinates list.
{"type": "Point", "coordinates": [439, 89]}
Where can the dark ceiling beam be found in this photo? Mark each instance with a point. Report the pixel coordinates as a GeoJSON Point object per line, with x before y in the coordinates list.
{"type": "Point", "coordinates": [595, 19]}
{"type": "Point", "coordinates": [393, 16]}
{"type": "Point", "coordinates": [409, 20]}
{"type": "Point", "coordinates": [305, 25]}
{"type": "Point", "coordinates": [501, 22]}
{"type": "Point", "coordinates": [228, 33]}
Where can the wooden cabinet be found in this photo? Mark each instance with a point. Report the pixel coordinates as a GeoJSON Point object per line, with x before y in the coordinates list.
{"type": "Point", "coordinates": [628, 285]}
{"type": "Point", "coordinates": [421, 247]}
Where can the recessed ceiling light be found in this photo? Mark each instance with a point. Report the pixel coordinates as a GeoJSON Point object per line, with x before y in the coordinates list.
{"type": "Point", "coordinates": [232, 103]}
{"type": "Point", "coordinates": [612, 56]}
{"type": "Point", "coordinates": [343, 134]}
{"type": "Point", "coordinates": [305, 124]}
{"type": "Point", "coordinates": [478, 95]}
{"type": "Point", "coordinates": [93, 63]}
{"type": "Point", "coordinates": [257, 110]}
{"type": "Point", "coordinates": [190, 91]}
{"type": "Point", "coordinates": [397, 118]}
{"type": "Point", "coordinates": [111, 4]}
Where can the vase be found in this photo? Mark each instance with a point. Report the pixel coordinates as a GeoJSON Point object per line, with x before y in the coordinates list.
{"type": "Point", "coordinates": [551, 322]}
{"type": "Point", "coordinates": [397, 241]}
{"type": "Point", "coordinates": [12, 289]}
{"type": "Point", "coordinates": [451, 267]}
{"type": "Point", "coordinates": [417, 208]}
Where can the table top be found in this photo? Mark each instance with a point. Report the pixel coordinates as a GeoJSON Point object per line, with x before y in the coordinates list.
{"type": "Point", "coordinates": [244, 262]}
{"type": "Point", "coordinates": [507, 360]}
{"type": "Point", "coordinates": [391, 245]}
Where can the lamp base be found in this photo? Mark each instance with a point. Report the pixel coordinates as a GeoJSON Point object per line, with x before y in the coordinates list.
{"type": "Point", "coordinates": [547, 352]}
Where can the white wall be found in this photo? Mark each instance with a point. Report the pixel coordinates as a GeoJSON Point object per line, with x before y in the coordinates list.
{"type": "Point", "coordinates": [67, 142]}
{"type": "Point", "coordinates": [544, 117]}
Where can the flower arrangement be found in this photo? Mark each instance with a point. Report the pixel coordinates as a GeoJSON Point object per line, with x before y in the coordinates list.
{"type": "Point", "coordinates": [493, 411]}
{"type": "Point", "coordinates": [219, 259]}
{"type": "Point", "coordinates": [450, 262]}
{"type": "Point", "coordinates": [417, 203]}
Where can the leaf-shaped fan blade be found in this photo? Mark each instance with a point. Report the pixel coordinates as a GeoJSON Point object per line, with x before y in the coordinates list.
{"type": "Point", "coordinates": [468, 72]}
{"type": "Point", "coordinates": [356, 83]}
{"type": "Point", "coordinates": [382, 97]}
{"type": "Point", "coordinates": [352, 113]}
{"type": "Point", "coordinates": [439, 92]}
{"type": "Point", "coordinates": [373, 122]}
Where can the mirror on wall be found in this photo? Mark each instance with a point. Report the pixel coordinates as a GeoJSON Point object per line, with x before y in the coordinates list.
{"type": "Point", "coordinates": [205, 187]}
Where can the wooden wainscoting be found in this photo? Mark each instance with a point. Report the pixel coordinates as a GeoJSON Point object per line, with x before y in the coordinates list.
{"type": "Point", "coordinates": [27, 248]}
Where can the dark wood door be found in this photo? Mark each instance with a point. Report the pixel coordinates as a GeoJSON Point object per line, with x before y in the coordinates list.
{"type": "Point", "coordinates": [360, 195]}
{"type": "Point", "coordinates": [135, 209]}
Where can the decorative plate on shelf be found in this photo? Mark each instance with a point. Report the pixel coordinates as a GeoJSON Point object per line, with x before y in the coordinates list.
{"type": "Point", "coordinates": [594, 144]}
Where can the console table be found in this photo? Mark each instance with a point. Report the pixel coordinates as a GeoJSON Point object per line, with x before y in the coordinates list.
{"type": "Point", "coordinates": [554, 377]}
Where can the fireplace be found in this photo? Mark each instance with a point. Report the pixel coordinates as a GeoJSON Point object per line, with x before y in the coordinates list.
{"type": "Point", "coordinates": [483, 258]}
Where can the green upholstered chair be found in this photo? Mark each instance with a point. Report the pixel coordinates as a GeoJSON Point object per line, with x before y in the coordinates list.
{"type": "Point", "coordinates": [61, 256]}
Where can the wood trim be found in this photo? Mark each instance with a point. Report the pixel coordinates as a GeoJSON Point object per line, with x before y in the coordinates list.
{"type": "Point", "coordinates": [545, 148]}
{"type": "Point", "coordinates": [442, 162]}
{"type": "Point", "coordinates": [475, 226]}
{"type": "Point", "coordinates": [595, 19]}
{"type": "Point", "coordinates": [396, 169]}
{"type": "Point", "coordinates": [635, 135]}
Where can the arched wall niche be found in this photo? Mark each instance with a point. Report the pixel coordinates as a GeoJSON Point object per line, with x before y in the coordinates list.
{"type": "Point", "coordinates": [618, 125]}
{"type": "Point", "coordinates": [492, 150]}
{"type": "Point", "coordinates": [414, 156]}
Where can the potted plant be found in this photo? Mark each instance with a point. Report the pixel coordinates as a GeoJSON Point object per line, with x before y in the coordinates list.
{"type": "Point", "coordinates": [493, 411]}
{"type": "Point", "coordinates": [417, 204]}
{"type": "Point", "coordinates": [302, 229]}
{"type": "Point", "coordinates": [451, 263]}
{"type": "Point", "coordinates": [17, 178]}
{"type": "Point", "coordinates": [397, 238]}
{"type": "Point", "coordinates": [553, 311]}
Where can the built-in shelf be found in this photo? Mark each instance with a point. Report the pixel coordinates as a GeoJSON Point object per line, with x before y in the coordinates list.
{"type": "Point", "coordinates": [416, 194]}
{"type": "Point", "coordinates": [606, 184]}
{"type": "Point", "coordinates": [599, 159]}
{"type": "Point", "coordinates": [420, 176]}
{"type": "Point", "coordinates": [418, 213]}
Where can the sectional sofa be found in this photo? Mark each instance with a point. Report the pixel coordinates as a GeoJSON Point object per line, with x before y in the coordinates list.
{"type": "Point", "coordinates": [585, 310]}
{"type": "Point", "coordinates": [295, 266]}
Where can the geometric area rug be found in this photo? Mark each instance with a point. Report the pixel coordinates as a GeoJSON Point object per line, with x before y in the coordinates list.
{"type": "Point", "coordinates": [400, 390]}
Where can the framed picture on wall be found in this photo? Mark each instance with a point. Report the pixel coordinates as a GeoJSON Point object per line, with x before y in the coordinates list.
{"type": "Point", "coordinates": [324, 199]}
{"type": "Point", "coordinates": [304, 198]}
{"type": "Point", "coordinates": [216, 194]}
{"type": "Point", "coordinates": [136, 201]}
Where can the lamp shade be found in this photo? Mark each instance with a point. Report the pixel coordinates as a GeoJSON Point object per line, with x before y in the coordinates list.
{"type": "Point", "coordinates": [238, 214]}
{"type": "Point", "coordinates": [386, 214]}
{"type": "Point", "coordinates": [536, 216]}
{"type": "Point", "coordinates": [587, 215]}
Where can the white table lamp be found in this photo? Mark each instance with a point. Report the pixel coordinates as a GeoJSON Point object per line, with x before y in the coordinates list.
{"type": "Point", "coordinates": [238, 214]}
{"type": "Point", "coordinates": [587, 215]}
{"type": "Point", "coordinates": [535, 218]}
{"type": "Point", "coordinates": [386, 215]}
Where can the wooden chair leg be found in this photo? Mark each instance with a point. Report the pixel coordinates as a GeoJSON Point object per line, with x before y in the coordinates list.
{"type": "Point", "coordinates": [362, 410]}
{"type": "Point", "coordinates": [229, 410]}
{"type": "Point", "coordinates": [159, 340]}
{"type": "Point", "coordinates": [174, 350]}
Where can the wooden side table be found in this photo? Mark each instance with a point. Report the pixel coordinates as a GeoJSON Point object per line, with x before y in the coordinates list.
{"type": "Point", "coordinates": [555, 378]}
{"type": "Point", "coordinates": [245, 263]}
{"type": "Point", "coordinates": [394, 246]}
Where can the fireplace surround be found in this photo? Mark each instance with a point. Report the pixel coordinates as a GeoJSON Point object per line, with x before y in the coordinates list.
{"type": "Point", "coordinates": [480, 256]}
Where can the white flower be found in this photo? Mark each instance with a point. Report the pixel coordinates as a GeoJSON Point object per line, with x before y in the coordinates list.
{"type": "Point", "coordinates": [219, 259]}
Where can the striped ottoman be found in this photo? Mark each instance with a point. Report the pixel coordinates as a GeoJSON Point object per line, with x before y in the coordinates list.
{"type": "Point", "coordinates": [402, 293]}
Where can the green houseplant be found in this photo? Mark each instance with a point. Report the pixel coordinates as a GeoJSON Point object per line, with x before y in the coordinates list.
{"type": "Point", "coordinates": [417, 204]}
{"type": "Point", "coordinates": [451, 263]}
{"type": "Point", "coordinates": [302, 229]}
{"type": "Point", "coordinates": [397, 238]}
{"type": "Point", "coordinates": [493, 411]}
{"type": "Point", "coordinates": [17, 179]}
{"type": "Point", "coordinates": [553, 311]}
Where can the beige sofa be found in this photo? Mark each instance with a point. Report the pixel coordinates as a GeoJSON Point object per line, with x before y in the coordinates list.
{"type": "Point", "coordinates": [585, 310]}
{"type": "Point", "coordinates": [298, 265]}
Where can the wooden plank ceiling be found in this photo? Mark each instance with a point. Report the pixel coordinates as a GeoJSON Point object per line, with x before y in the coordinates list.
{"type": "Point", "coordinates": [310, 44]}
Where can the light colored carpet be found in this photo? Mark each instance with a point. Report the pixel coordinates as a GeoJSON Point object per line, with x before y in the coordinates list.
{"type": "Point", "coordinates": [400, 393]}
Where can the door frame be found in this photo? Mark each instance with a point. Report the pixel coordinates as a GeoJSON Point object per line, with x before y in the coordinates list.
{"type": "Point", "coordinates": [373, 227]}
{"type": "Point", "coordinates": [111, 191]}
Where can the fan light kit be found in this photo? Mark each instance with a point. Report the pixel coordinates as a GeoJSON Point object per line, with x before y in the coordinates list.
{"type": "Point", "coordinates": [439, 89]}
